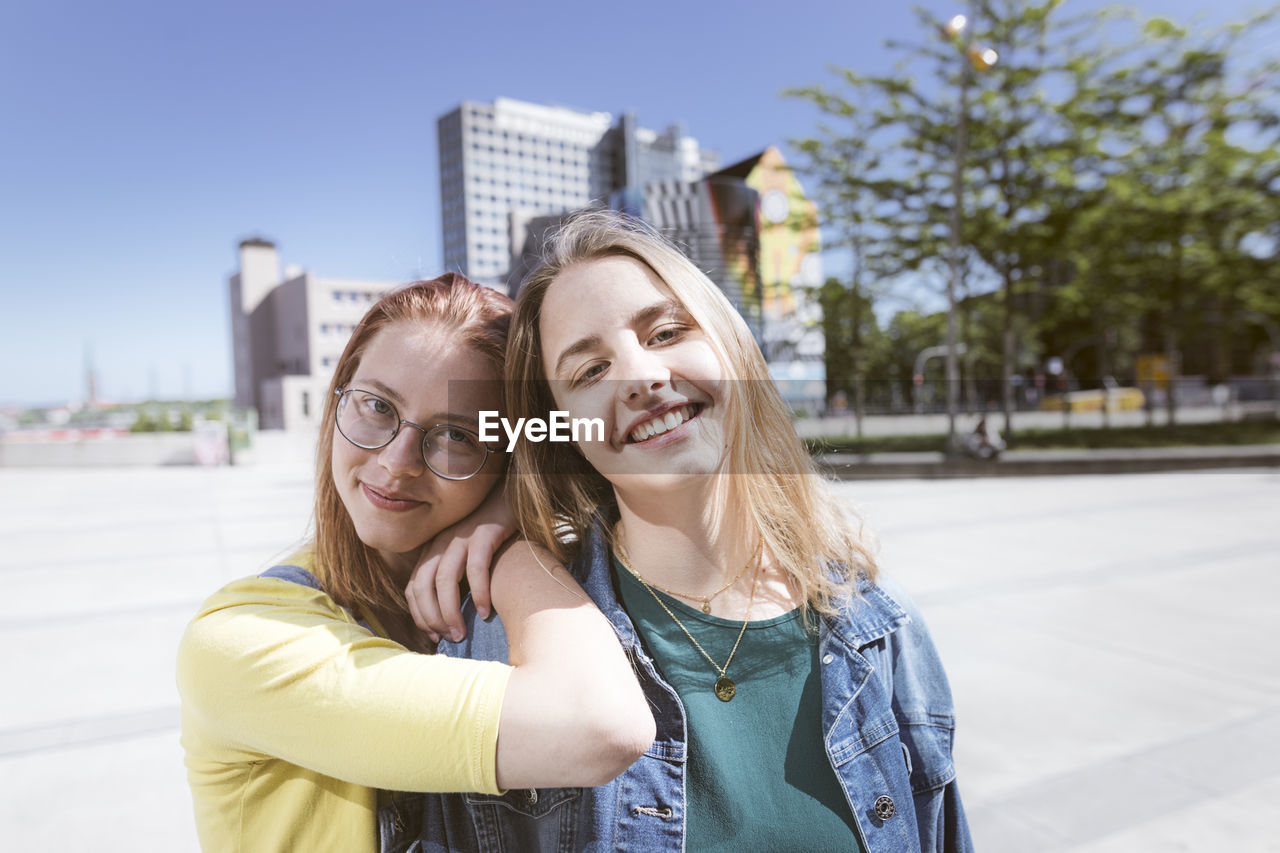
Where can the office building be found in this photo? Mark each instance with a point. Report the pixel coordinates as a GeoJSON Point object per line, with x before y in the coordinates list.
{"type": "Point", "coordinates": [287, 332]}
{"type": "Point", "coordinates": [507, 162]}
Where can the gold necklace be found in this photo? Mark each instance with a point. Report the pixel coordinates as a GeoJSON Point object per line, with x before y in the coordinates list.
{"type": "Point", "coordinates": [705, 599]}
{"type": "Point", "coordinates": [724, 687]}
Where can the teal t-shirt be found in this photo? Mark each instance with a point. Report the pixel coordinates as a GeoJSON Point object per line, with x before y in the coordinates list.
{"type": "Point", "coordinates": [758, 776]}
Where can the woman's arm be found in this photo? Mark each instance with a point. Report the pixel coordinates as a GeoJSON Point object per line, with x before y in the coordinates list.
{"type": "Point", "coordinates": [573, 713]}
{"type": "Point", "coordinates": [274, 669]}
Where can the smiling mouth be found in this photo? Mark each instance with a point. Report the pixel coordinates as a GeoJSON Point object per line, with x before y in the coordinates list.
{"type": "Point", "coordinates": [664, 423]}
{"type": "Point", "coordinates": [383, 501]}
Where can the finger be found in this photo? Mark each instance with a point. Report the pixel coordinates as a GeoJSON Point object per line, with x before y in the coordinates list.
{"type": "Point", "coordinates": [478, 562]}
{"type": "Point", "coordinates": [422, 590]}
{"type": "Point", "coordinates": [417, 615]}
{"type": "Point", "coordinates": [433, 552]}
{"type": "Point", "coordinates": [448, 595]}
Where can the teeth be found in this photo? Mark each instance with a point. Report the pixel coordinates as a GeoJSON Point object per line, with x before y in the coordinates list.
{"type": "Point", "coordinates": [662, 423]}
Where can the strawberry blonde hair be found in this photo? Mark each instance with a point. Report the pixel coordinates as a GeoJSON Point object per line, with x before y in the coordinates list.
{"type": "Point", "coordinates": [351, 572]}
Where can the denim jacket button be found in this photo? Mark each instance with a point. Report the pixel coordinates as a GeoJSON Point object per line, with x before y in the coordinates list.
{"type": "Point", "coordinates": [828, 658]}
{"type": "Point", "coordinates": [885, 808]}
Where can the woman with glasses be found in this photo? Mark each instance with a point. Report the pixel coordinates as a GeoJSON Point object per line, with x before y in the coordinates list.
{"type": "Point", "coordinates": [309, 687]}
{"type": "Point", "coordinates": [799, 700]}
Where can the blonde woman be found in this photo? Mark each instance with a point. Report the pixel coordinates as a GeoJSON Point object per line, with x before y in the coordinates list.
{"type": "Point", "coordinates": [307, 688]}
{"type": "Point", "coordinates": [800, 703]}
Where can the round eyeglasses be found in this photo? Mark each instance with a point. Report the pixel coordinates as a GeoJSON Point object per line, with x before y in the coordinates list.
{"type": "Point", "coordinates": [371, 422]}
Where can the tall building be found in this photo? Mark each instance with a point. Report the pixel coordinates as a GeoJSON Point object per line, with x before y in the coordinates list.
{"type": "Point", "coordinates": [287, 332]}
{"type": "Point", "coordinates": [505, 163]}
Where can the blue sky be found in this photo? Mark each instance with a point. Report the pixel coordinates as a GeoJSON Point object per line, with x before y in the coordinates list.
{"type": "Point", "coordinates": [142, 141]}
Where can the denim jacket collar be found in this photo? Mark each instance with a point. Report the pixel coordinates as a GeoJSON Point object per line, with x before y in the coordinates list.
{"type": "Point", "coordinates": [592, 569]}
{"type": "Point", "coordinates": [869, 615]}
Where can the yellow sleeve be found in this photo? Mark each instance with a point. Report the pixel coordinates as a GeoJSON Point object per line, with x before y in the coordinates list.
{"type": "Point", "coordinates": [276, 668]}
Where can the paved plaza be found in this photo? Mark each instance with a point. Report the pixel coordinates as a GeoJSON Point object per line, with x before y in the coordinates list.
{"type": "Point", "coordinates": [1110, 640]}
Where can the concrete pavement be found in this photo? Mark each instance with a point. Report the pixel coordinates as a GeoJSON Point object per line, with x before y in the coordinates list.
{"type": "Point", "coordinates": [1110, 645]}
{"type": "Point", "coordinates": [1109, 640]}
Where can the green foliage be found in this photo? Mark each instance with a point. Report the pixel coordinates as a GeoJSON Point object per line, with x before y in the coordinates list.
{"type": "Point", "coordinates": [1116, 200]}
{"type": "Point", "coordinates": [151, 419]}
{"type": "Point", "coordinates": [148, 422]}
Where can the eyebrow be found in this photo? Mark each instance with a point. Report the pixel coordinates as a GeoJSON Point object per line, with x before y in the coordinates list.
{"type": "Point", "coordinates": [641, 317]}
{"type": "Point", "coordinates": [458, 419]}
{"type": "Point", "coordinates": [455, 418]}
{"type": "Point", "coordinates": [382, 388]}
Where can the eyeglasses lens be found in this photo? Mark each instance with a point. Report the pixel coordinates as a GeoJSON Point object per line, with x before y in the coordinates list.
{"type": "Point", "coordinates": [452, 451]}
{"type": "Point", "coordinates": [369, 421]}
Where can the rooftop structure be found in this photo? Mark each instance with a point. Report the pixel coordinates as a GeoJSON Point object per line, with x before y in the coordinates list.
{"type": "Point", "coordinates": [287, 332]}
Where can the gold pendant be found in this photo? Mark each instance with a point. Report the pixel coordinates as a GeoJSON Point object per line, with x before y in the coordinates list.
{"type": "Point", "coordinates": [706, 605]}
{"type": "Point", "coordinates": [725, 688]}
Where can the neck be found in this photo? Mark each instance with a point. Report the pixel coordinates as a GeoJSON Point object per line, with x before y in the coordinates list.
{"type": "Point", "coordinates": [692, 540]}
{"type": "Point", "coordinates": [399, 566]}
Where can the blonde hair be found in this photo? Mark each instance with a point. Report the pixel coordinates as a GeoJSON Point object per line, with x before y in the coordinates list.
{"type": "Point", "coordinates": [351, 572]}
{"type": "Point", "coordinates": [816, 540]}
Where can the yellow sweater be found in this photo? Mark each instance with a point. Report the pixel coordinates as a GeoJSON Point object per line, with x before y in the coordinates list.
{"type": "Point", "coordinates": [293, 715]}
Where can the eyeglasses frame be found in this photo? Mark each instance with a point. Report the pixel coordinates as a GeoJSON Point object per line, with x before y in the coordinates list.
{"type": "Point", "coordinates": [422, 445]}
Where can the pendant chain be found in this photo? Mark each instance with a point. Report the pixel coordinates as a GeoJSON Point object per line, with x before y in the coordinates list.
{"type": "Point", "coordinates": [705, 599]}
{"type": "Point", "coordinates": [724, 687]}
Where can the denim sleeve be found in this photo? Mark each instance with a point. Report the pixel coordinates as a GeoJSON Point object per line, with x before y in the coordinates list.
{"type": "Point", "coordinates": [925, 713]}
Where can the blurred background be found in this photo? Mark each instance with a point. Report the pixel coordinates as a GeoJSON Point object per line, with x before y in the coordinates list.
{"type": "Point", "coordinates": [1055, 225]}
{"type": "Point", "coordinates": [1000, 206]}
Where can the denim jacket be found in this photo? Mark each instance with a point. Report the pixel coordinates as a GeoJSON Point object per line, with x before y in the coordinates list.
{"type": "Point", "coordinates": [886, 714]}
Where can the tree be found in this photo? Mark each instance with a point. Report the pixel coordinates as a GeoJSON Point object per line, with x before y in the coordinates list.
{"type": "Point", "coordinates": [1117, 198]}
{"type": "Point", "coordinates": [888, 144]}
{"type": "Point", "coordinates": [1191, 181]}
{"type": "Point", "coordinates": [852, 342]}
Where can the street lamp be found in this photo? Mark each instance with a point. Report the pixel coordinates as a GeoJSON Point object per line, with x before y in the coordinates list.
{"type": "Point", "coordinates": [973, 58]}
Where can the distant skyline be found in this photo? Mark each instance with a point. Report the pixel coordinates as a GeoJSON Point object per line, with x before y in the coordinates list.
{"type": "Point", "coordinates": [144, 140]}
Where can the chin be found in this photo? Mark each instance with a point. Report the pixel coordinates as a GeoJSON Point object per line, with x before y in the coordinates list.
{"type": "Point", "coordinates": [393, 541]}
{"type": "Point", "coordinates": [680, 476]}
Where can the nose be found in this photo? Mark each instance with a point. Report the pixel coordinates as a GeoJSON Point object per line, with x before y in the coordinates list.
{"type": "Point", "coordinates": [643, 372]}
{"type": "Point", "coordinates": [403, 456]}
